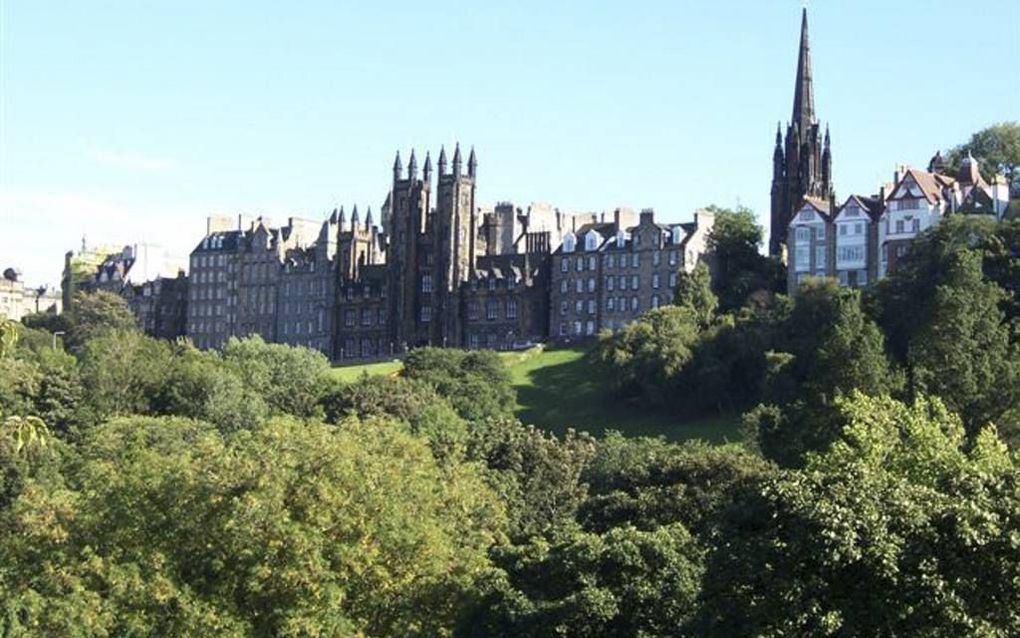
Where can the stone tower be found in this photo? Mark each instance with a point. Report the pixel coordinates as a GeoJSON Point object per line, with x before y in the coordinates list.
{"type": "Point", "coordinates": [802, 163]}
{"type": "Point", "coordinates": [453, 244]}
{"type": "Point", "coordinates": [409, 206]}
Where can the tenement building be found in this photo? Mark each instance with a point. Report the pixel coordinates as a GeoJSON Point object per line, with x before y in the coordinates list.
{"type": "Point", "coordinates": [608, 272]}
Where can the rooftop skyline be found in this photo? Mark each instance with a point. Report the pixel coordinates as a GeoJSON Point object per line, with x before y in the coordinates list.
{"type": "Point", "coordinates": [133, 124]}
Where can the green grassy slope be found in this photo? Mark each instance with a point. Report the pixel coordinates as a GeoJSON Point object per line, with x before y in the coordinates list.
{"type": "Point", "coordinates": [559, 389]}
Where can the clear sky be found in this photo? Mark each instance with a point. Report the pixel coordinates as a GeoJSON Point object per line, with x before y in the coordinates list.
{"type": "Point", "coordinates": [134, 120]}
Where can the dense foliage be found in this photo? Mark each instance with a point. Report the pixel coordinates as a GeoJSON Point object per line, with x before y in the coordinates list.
{"type": "Point", "coordinates": [151, 489]}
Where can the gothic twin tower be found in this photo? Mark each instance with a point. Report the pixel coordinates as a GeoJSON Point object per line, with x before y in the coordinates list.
{"type": "Point", "coordinates": [802, 162]}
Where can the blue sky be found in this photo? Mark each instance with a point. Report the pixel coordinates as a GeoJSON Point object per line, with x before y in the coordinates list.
{"type": "Point", "coordinates": [132, 121]}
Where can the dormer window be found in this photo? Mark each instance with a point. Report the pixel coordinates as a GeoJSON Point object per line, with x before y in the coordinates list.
{"type": "Point", "coordinates": [569, 241]}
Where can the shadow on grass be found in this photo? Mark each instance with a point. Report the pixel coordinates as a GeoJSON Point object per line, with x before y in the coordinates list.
{"type": "Point", "coordinates": [565, 389]}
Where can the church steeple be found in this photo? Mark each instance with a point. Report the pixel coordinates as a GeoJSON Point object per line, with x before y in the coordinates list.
{"type": "Point", "coordinates": [802, 162]}
{"type": "Point", "coordinates": [804, 95]}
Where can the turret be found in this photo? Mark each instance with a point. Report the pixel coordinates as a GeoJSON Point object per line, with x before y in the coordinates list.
{"type": "Point", "coordinates": [355, 218]}
{"type": "Point", "coordinates": [442, 160]}
{"type": "Point", "coordinates": [397, 168]}
{"type": "Point", "coordinates": [472, 162]}
{"type": "Point", "coordinates": [412, 167]}
{"type": "Point", "coordinates": [427, 171]}
{"type": "Point", "coordinates": [368, 219]}
{"type": "Point", "coordinates": [456, 160]}
{"type": "Point", "coordinates": [341, 218]}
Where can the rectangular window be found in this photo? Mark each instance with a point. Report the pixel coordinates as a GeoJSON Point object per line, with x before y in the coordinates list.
{"type": "Point", "coordinates": [492, 282]}
{"type": "Point", "coordinates": [635, 282]}
{"type": "Point", "coordinates": [590, 328]}
{"type": "Point", "coordinates": [634, 303]}
{"type": "Point", "coordinates": [623, 282]}
{"type": "Point", "coordinates": [491, 310]}
{"type": "Point", "coordinates": [426, 314]}
{"type": "Point", "coordinates": [843, 229]}
{"type": "Point", "coordinates": [426, 283]}
{"type": "Point", "coordinates": [578, 306]}
{"type": "Point", "coordinates": [609, 261]}
{"type": "Point", "coordinates": [591, 284]}
{"type": "Point", "coordinates": [820, 233]}
{"type": "Point", "coordinates": [672, 280]}
{"type": "Point", "coordinates": [655, 280]}
{"type": "Point", "coordinates": [910, 204]}
{"type": "Point", "coordinates": [511, 309]}
{"type": "Point", "coordinates": [565, 264]}
{"type": "Point", "coordinates": [635, 260]}
{"type": "Point", "coordinates": [591, 263]}
{"type": "Point", "coordinates": [579, 264]}
{"type": "Point", "coordinates": [917, 225]}
{"type": "Point", "coordinates": [819, 257]}
{"type": "Point", "coordinates": [564, 284]}
{"type": "Point", "coordinates": [591, 306]}
{"type": "Point", "coordinates": [802, 261]}
{"type": "Point", "coordinates": [473, 310]}
{"type": "Point", "coordinates": [609, 283]}
{"type": "Point", "coordinates": [858, 228]}
{"type": "Point", "coordinates": [672, 258]}
{"type": "Point", "coordinates": [803, 234]}
{"type": "Point", "coordinates": [609, 304]}
{"type": "Point", "coordinates": [349, 318]}
{"type": "Point", "coordinates": [563, 329]}
{"type": "Point", "coordinates": [656, 258]}
{"type": "Point", "coordinates": [655, 301]}
{"type": "Point", "coordinates": [577, 328]}
{"type": "Point", "coordinates": [579, 285]}
{"type": "Point", "coordinates": [366, 317]}
{"type": "Point", "coordinates": [899, 225]}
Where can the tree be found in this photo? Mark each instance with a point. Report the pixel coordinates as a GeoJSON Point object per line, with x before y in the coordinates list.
{"type": "Point", "coordinates": [476, 383]}
{"type": "Point", "coordinates": [94, 314]}
{"type": "Point", "coordinates": [626, 582]}
{"type": "Point", "coordinates": [694, 290]}
{"type": "Point", "coordinates": [200, 385]}
{"type": "Point", "coordinates": [167, 528]}
{"type": "Point", "coordinates": [410, 401]}
{"type": "Point", "coordinates": [649, 483]}
{"type": "Point", "coordinates": [289, 379]}
{"type": "Point", "coordinates": [537, 475]}
{"type": "Point", "coordinates": [124, 371]}
{"type": "Point", "coordinates": [645, 357]}
{"type": "Point", "coordinates": [964, 352]}
{"type": "Point", "coordinates": [833, 349]}
{"type": "Point", "coordinates": [734, 245]}
{"type": "Point", "coordinates": [900, 528]}
{"type": "Point", "coordinates": [997, 148]}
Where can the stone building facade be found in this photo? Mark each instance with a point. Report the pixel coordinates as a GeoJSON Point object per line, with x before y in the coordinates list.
{"type": "Point", "coordinates": [440, 271]}
{"type": "Point", "coordinates": [605, 275]}
{"type": "Point", "coordinates": [160, 306]}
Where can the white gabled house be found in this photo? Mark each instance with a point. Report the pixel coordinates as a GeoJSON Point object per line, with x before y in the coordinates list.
{"type": "Point", "coordinates": [808, 238]}
{"type": "Point", "coordinates": [917, 201]}
{"type": "Point", "coordinates": [854, 232]}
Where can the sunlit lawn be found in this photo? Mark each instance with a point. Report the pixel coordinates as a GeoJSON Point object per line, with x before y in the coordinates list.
{"type": "Point", "coordinates": [559, 389]}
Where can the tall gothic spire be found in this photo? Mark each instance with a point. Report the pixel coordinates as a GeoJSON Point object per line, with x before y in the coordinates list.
{"type": "Point", "coordinates": [803, 96]}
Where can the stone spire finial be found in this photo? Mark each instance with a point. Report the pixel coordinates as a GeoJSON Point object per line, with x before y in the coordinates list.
{"type": "Point", "coordinates": [456, 159]}
{"type": "Point", "coordinates": [397, 168]}
{"type": "Point", "coordinates": [442, 160]}
{"type": "Point", "coordinates": [472, 162]}
{"type": "Point", "coordinates": [803, 96]}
